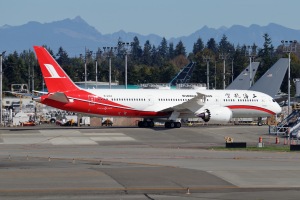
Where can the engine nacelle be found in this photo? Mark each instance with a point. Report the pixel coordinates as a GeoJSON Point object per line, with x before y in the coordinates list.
{"type": "Point", "coordinates": [215, 114]}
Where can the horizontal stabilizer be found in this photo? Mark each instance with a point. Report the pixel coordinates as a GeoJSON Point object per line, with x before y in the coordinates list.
{"type": "Point", "coordinates": [59, 96]}
{"type": "Point", "coordinates": [39, 92]}
{"type": "Point", "coordinates": [23, 95]}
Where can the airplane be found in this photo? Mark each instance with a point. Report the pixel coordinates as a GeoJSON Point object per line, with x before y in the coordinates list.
{"type": "Point", "coordinates": [213, 106]}
{"type": "Point", "coordinates": [269, 83]}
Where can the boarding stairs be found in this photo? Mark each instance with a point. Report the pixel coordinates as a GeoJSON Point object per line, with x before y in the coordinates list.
{"type": "Point", "coordinates": [290, 125]}
{"type": "Point", "coordinates": [295, 132]}
{"type": "Point", "coordinates": [184, 75]}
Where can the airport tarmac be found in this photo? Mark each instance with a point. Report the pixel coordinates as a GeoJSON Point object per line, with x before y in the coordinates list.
{"type": "Point", "coordinates": [51, 162]}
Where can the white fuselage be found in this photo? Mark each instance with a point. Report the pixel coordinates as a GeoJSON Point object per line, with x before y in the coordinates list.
{"type": "Point", "coordinates": [242, 103]}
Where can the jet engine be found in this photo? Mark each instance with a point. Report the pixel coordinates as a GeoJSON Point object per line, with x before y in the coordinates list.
{"type": "Point", "coordinates": [215, 114]}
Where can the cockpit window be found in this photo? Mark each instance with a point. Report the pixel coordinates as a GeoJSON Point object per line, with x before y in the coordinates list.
{"type": "Point", "coordinates": [273, 100]}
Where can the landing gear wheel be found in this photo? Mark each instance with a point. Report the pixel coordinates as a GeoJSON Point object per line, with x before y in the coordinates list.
{"type": "Point", "coordinates": [259, 123]}
{"type": "Point", "coordinates": [140, 124]}
{"type": "Point", "coordinates": [172, 124]}
{"type": "Point", "coordinates": [177, 124]}
{"type": "Point", "coordinates": [167, 125]}
{"type": "Point", "coordinates": [150, 124]}
{"type": "Point", "coordinates": [146, 124]}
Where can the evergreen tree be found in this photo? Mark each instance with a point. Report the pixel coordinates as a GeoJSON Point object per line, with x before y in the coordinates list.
{"type": "Point", "coordinates": [154, 56]}
{"type": "Point", "coordinates": [198, 46]}
{"type": "Point", "coordinates": [136, 50]}
{"type": "Point", "coordinates": [266, 55]}
{"type": "Point", "coordinates": [171, 50]}
{"type": "Point", "coordinates": [147, 60]}
{"type": "Point", "coordinates": [225, 46]}
{"type": "Point", "coordinates": [15, 71]}
{"type": "Point", "coordinates": [163, 49]}
{"type": "Point", "coordinates": [212, 45]}
{"type": "Point", "coordinates": [240, 61]}
{"type": "Point", "coordinates": [200, 71]}
{"type": "Point", "coordinates": [179, 49]}
{"type": "Point", "coordinates": [77, 69]}
{"type": "Point", "coordinates": [167, 74]}
{"type": "Point", "coordinates": [62, 57]}
{"type": "Point", "coordinates": [27, 58]}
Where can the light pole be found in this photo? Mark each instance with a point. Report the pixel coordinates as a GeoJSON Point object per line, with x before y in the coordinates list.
{"type": "Point", "coordinates": [32, 85]}
{"type": "Point", "coordinates": [232, 70]}
{"type": "Point", "coordinates": [108, 52]}
{"type": "Point", "coordinates": [88, 57]}
{"type": "Point", "coordinates": [251, 53]}
{"type": "Point", "coordinates": [96, 73]}
{"type": "Point", "coordinates": [29, 77]}
{"type": "Point", "coordinates": [288, 47]}
{"type": "Point", "coordinates": [223, 56]}
{"type": "Point", "coordinates": [126, 70]}
{"type": "Point", "coordinates": [126, 46]}
{"type": "Point", "coordinates": [207, 59]}
{"type": "Point", "coordinates": [1, 55]}
{"type": "Point", "coordinates": [215, 74]}
{"type": "Point", "coordinates": [85, 71]}
{"type": "Point", "coordinates": [98, 55]}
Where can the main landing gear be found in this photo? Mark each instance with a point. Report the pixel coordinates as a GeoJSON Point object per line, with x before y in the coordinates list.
{"type": "Point", "coordinates": [146, 124]}
{"type": "Point", "coordinates": [172, 124]}
{"type": "Point", "coordinates": [150, 124]}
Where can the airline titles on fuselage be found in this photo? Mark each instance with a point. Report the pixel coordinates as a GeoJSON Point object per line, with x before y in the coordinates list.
{"type": "Point", "coordinates": [236, 95]}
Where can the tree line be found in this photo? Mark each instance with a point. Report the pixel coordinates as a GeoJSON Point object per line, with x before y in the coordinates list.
{"type": "Point", "coordinates": [152, 64]}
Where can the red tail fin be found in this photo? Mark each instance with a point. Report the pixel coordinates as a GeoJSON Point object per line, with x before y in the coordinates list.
{"type": "Point", "coordinates": [55, 77]}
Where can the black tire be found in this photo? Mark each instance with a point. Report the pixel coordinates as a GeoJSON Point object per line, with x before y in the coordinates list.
{"type": "Point", "coordinates": [259, 123]}
{"type": "Point", "coordinates": [167, 125]}
{"type": "Point", "coordinates": [177, 124]}
{"type": "Point", "coordinates": [140, 124]}
{"type": "Point", "coordinates": [150, 124]}
{"type": "Point", "coordinates": [172, 124]}
{"type": "Point", "coordinates": [145, 124]}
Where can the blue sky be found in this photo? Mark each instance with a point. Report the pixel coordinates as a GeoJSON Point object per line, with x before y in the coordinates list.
{"type": "Point", "coordinates": [167, 18]}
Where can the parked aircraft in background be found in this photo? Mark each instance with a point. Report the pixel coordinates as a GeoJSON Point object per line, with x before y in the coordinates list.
{"type": "Point", "coordinates": [217, 106]}
{"type": "Point", "coordinates": [242, 81]}
{"type": "Point", "coordinates": [272, 79]}
{"type": "Point", "coordinates": [269, 83]}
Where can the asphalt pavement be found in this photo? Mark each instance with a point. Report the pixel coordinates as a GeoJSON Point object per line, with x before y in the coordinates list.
{"type": "Point", "coordinates": [52, 162]}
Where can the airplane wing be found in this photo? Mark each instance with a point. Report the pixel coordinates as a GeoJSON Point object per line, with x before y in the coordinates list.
{"type": "Point", "coordinates": [191, 105]}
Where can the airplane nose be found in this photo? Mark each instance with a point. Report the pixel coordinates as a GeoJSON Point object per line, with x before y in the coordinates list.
{"type": "Point", "coordinates": [277, 109]}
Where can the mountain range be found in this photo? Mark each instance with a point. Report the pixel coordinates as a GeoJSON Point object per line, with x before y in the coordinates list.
{"type": "Point", "coordinates": [74, 35]}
